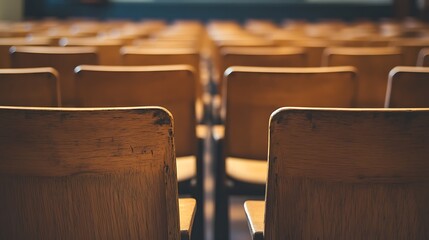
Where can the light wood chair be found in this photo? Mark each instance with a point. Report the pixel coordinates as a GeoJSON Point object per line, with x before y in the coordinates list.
{"type": "Point", "coordinates": [64, 60]}
{"type": "Point", "coordinates": [408, 87]}
{"type": "Point", "coordinates": [262, 57]}
{"type": "Point", "coordinates": [143, 56]}
{"type": "Point", "coordinates": [345, 174]}
{"type": "Point", "coordinates": [108, 49]}
{"type": "Point", "coordinates": [373, 65]}
{"type": "Point", "coordinates": [90, 174]}
{"type": "Point", "coordinates": [7, 43]}
{"type": "Point", "coordinates": [313, 47]}
{"type": "Point", "coordinates": [410, 48]}
{"type": "Point", "coordinates": [423, 58]}
{"type": "Point", "coordinates": [38, 87]}
{"type": "Point", "coordinates": [169, 86]}
{"type": "Point", "coordinates": [251, 95]}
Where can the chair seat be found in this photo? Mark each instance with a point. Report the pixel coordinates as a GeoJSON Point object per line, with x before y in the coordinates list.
{"type": "Point", "coordinates": [186, 167]}
{"type": "Point", "coordinates": [247, 170]}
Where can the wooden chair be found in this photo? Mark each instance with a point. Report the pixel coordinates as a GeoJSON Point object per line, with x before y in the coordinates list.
{"type": "Point", "coordinates": [64, 60]}
{"type": "Point", "coordinates": [171, 87]}
{"type": "Point", "coordinates": [7, 43]}
{"type": "Point", "coordinates": [423, 58]}
{"type": "Point", "coordinates": [345, 174]}
{"type": "Point", "coordinates": [90, 174]}
{"type": "Point", "coordinates": [410, 48]}
{"type": "Point", "coordinates": [262, 57]}
{"type": "Point", "coordinates": [313, 47]}
{"type": "Point", "coordinates": [141, 56]}
{"type": "Point", "coordinates": [108, 49]}
{"type": "Point", "coordinates": [29, 87]}
{"type": "Point", "coordinates": [373, 65]}
{"type": "Point", "coordinates": [251, 95]}
{"type": "Point", "coordinates": [408, 87]}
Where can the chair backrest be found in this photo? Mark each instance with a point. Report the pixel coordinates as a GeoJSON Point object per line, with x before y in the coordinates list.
{"type": "Point", "coordinates": [29, 87]}
{"type": "Point", "coordinates": [373, 65]}
{"type": "Point", "coordinates": [348, 174]}
{"type": "Point", "coordinates": [253, 93]}
{"type": "Point", "coordinates": [170, 86]}
{"type": "Point", "coordinates": [143, 56]}
{"type": "Point", "coordinates": [7, 43]}
{"type": "Point", "coordinates": [410, 49]}
{"type": "Point", "coordinates": [64, 60]}
{"type": "Point", "coordinates": [408, 87]}
{"type": "Point", "coordinates": [423, 58]}
{"type": "Point", "coordinates": [108, 49]}
{"type": "Point", "coordinates": [87, 174]}
{"type": "Point", "coordinates": [313, 47]}
{"type": "Point", "coordinates": [262, 57]}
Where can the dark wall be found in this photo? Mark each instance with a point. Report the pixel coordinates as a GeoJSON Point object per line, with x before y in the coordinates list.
{"type": "Point", "coordinates": [35, 9]}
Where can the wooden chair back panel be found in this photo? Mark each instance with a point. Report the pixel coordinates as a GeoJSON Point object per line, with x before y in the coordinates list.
{"type": "Point", "coordinates": [408, 87]}
{"type": "Point", "coordinates": [262, 57]}
{"type": "Point", "coordinates": [171, 87]}
{"type": "Point", "coordinates": [373, 68]}
{"type": "Point", "coordinates": [410, 49]}
{"type": "Point", "coordinates": [87, 174]}
{"type": "Point", "coordinates": [252, 94]}
{"type": "Point", "coordinates": [7, 43]}
{"type": "Point", "coordinates": [29, 87]}
{"type": "Point", "coordinates": [152, 57]}
{"type": "Point", "coordinates": [348, 174]}
{"type": "Point", "coordinates": [64, 60]}
{"type": "Point", "coordinates": [108, 49]}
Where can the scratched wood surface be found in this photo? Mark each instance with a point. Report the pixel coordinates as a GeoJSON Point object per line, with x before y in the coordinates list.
{"type": "Point", "coordinates": [170, 86]}
{"type": "Point", "coordinates": [253, 93]}
{"type": "Point", "coordinates": [408, 87]}
{"type": "Point", "coordinates": [373, 66]}
{"type": "Point", "coordinates": [64, 60]}
{"type": "Point", "coordinates": [29, 87]}
{"type": "Point", "coordinates": [348, 174]}
{"type": "Point", "coordinates": [87, 174]}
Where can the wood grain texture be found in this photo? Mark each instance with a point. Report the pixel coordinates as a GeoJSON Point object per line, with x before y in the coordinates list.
{"type": "Point", "coordinates": [252, 94]}
{"type": "Point", "coordinates": [408, 87]}
{"type": "Point", "coordinates": [373, 66]}
{"type": "Point", "coordinates": [255, 212]}
{"type": "Point", "coordinates": [348, 174]}
{"type": "Point", "coordinates": [29, 87]}
{"type": "Point", "coordinates": [170, 86]}
{"type": "Point", "coordinates": [87, 174]}
{"type": "Point", "coordinates": [187, 209]}
{"type": "Point", "coordinates": [64, 60]}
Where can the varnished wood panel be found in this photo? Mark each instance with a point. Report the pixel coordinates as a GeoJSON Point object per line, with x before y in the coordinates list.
{"type": "Point", "coordinates": [29, 87]}
{"type": "Point", "coordinates": [373, 66]}
{"type": "Point", "coordinates": [87, 174]}
{"type": "Point", "coordinates": [408, 87]}
{"type": "Point", "coordinates": [252, 94]}
{"type": "Point", "coordinates": [348, 174]}
{"type": "Point", "coordinates": [64, 60]}
{"type": "Point", "coordinates": [171, 87]}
